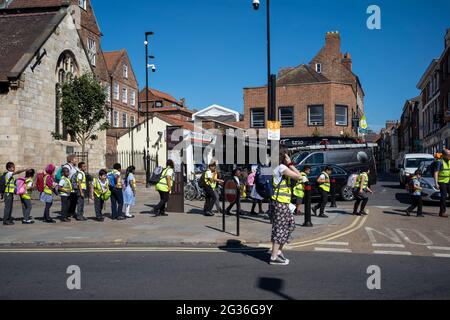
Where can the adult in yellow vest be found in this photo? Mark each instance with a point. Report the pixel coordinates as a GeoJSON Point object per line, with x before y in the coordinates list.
{"type": "Point", "coordinates": [81, 190]}
{"type": "Point", "coordinates": [164, 188]}
{"type": "Point", "coordinates": [299, 189]}
{"type": "Point", "coordinates": [26, 198]}
{"type": "Point", "coordinates": [442, 180]}
{"type": "Point", "coordinates": [211, 181]}
{"type": "Point", "coordinates": [283, 221]}
{"type": "Point", "coordinates": [360, 191]}
{"type": "Point", "coordinates": [324, 182]}
{"type": "Point", "coordinates": [9, 192]}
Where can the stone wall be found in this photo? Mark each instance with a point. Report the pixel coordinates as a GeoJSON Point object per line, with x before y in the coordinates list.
{"type": "Point", "coordinates": [28, 113]}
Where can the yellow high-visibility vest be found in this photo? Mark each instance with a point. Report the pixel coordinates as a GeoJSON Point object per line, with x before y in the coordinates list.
{"type": "Point", "coordinates": [27, 195]}
{"type": "Point", "coordinates": [282, 192]}
{"type": "Point", "coordinates": [359, 179]}
{"type": "Point", "coordinates": [326, 186]}
{"type": "Point", "coordinates": [444, 173]}
{"type": "Point", "coordinates": [162, 184]}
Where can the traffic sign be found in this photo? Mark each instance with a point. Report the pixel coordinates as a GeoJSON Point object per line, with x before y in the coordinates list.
{"type": "Point", "coordinates": [231, 192]}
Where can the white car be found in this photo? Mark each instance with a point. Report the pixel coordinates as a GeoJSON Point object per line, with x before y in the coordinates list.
{"type": "Point", "coordinates": [410, 163]}
{"type": "Point", "coordinates": [429, 192]}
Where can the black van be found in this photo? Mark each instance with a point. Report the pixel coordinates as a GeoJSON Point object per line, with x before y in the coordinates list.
{"type": "Point", "coordinates": [352, 160]}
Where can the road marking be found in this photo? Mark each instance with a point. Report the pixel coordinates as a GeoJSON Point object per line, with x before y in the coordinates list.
{"type": "Point", "coordinates": [400, 253]}
{"type": "Point", "coordinates": [427, 241]}
{"type": "Point", "coordinates": [390, 234]}
{"type": "Point", "coordinates": [388, 245]}
{"type": "Point", "coordinates": [383, 207]}
{"type": "Point", "coordinates": [439, 248]}
{"type": "Point", "coordinates": [332, 250]}
{"type": "Point", "coordinates": [328, 243]}
{"type": "Point", "coordinates": [441, 255]}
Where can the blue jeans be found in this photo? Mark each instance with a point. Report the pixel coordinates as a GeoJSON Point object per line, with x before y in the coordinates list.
{"type": "Point", "coordinates": [116, 203]}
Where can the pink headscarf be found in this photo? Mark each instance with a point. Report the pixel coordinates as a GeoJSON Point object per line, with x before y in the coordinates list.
{"type": "Point", "coordinates": [49, 170]}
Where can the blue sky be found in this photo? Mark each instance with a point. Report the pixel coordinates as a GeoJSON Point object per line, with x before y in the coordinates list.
{"type": "Point", "coordinates": [207, 51]}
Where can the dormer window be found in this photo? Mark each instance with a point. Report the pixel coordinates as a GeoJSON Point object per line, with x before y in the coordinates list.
{"type": "Point", "coordinates": [318, 67]}
{"type": "Point", "coordinates": [82, 4]}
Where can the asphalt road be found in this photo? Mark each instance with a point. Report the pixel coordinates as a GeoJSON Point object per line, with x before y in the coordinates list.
{"type": "Point", "coordinates": [227, 275]}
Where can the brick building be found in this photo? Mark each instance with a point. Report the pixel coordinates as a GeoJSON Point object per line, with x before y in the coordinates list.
{"type": "Point", "coordinates": [320, 98]}
{"type": "Point", "coordinates": [163, 103]}
{"type": "Point", "coordinates": [409, 137]}
{"type": "Point", "coordinates": [122, 96]}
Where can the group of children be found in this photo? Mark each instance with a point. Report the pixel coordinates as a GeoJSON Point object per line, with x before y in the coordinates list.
{"type": "Point", "coordinates": [70, 183]}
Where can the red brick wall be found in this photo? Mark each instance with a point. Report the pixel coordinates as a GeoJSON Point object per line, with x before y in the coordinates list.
{"type": "Point", "coordinates": [300, 97]}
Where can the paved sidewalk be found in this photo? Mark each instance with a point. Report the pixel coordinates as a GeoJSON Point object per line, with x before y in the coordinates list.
{"type": "Point", "coordinates": [190, 228]}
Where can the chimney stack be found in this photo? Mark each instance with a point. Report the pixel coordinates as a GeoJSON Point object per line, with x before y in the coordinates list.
{"type": "Point", "coordinates": [333, 43]}
{"type": "Point", "coordinates": [347, 61]}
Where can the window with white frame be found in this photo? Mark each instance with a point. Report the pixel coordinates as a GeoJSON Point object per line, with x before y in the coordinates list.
{"type": "Point", "coordinates": [92, 51]}
{"type": "Point", "coordinates": [124, 120]}
{"type": "Point", "coordinates": [318, 67]}
{"type": "Point", "coordinates": [132, 121]}
{"type": "Point", "coordinates": [258, 118]}
{"type": "Point", "coordinates": [341, 115]}
{"type": "Point", "coordinates": [108, 92]}
{"type": "Point", "coordinates": [116, 119]}
{"type": "Point", "coordinates": [116, 91]}
{"type": "Point", "coordinates": [108, 116]}
{"type": "Point", "coordinates": [286, 115]}
{"type": "Point", "coordinates": [124, 95]}
{"type": "Point", "coordinates": [316, 115]}
{"type": "Point", "coordinates": [133, 98]}
{"type": "Point", "coordinates": [125, 71]}
{"type": "Point", "coordinates": [82, 4]}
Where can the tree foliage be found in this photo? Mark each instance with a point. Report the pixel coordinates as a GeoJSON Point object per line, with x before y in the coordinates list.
{"type": "Point", "coordinates": [83, 109]}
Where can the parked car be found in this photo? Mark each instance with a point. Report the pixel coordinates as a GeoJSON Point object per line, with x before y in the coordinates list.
{"type": "Point", "coordinates": [429, 192]}
{"type": "Point", "coordinates": [352, 160]}
{"type": "Point", "coordinates": [339, 175]}
{"type": "Point", "coordinates": [409, 164]}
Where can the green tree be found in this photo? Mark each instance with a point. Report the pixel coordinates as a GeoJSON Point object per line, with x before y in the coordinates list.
{"type": "Point", "coordinates": [83, 109]}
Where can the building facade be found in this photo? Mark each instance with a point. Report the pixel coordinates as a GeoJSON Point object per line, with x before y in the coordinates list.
{"type": "Point", "coordinates": [409, 128]}
{"type": "Point", "coordinates": [322, 98]}
{"type": "Point", "coordinates": [163, 103]}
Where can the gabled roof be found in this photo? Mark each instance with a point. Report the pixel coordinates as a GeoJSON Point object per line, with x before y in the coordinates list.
{"type": "Point", "coordinates": [301, 74]}
{"type": "Point", "coordinates": [21, 36]}
{"type": "Point", "coordinates": [216, 111]}
{"type": "Point", "coordinates": [25, 4]}
{"type": "Point", "coordinates": [112, 58]}
{"type": "Point", "coordinates": [158, 94]}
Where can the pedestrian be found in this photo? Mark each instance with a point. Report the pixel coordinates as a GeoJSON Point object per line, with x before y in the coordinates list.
{"type": "Point", "coordinates": [256, 198]}
{"type": "Point", "coordinates": [442, 181]}
{"type": "Point", "coordinates": [324, 189]}
{"type": "Point", "coordinates": [100, 193]}
{"type": "Point", "coordinates": [283, 222]}
{"type": "Point", "coordinates": [217, 195]}
{"type": "Point", "coordinates": [9, 183]}
{"type": "Point", "coordinates": [416, 195]}
{"type": "Point", "coordinates": [73, 198]}
{"type": "Point", "coordinates": [26, 198]}
{"type": "Point", "coordinates": [65, 190]}
{"type": "Point", "coordinates": [116, 193]}
{"type": "Point", "coordinates": [47, 196]}
{"type": "Point", "coordinates": [299, 189]}
{"type": "Point", "coordinates": [237, 174]}
{"type": "Point", "coordinates": [81, 186]}
{"type": "Point", "coordinates": [360, 192]}
{"type": "Point", "coordinates": [164, 188]}
{"type": "Point", "coordinates": [210, 182]}
{"type": "Point", "coordinates": [129, 195]}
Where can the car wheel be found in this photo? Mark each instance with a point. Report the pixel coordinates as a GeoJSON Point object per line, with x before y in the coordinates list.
{"type": "Point", "coordinates": [347, 194]}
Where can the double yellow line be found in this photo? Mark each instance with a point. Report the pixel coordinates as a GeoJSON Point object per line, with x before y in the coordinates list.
{"type": "Point", "coordinates": [355, 225]}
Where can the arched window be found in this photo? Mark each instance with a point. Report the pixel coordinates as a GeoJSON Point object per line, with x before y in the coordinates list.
{"type": "Point", "coordinates": [66, 67]}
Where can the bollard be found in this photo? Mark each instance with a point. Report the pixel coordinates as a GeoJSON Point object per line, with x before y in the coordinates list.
{"type": "Point", "coordinates": [238, 214]}
{"type": "Point", "coordinates": [333, 194]}
{"type": "Point", "coordinates": [223, 210]}
{"type": "Point", "coordinates": [307, 202]}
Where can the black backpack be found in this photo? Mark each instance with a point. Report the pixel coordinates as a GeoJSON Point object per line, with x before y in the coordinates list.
{"type": "Point", "coordinates": [201, 181]}
{"type": "Point", "coordinates": [156, 176]}
{"type": "Point", "coordinates": [3, 184]}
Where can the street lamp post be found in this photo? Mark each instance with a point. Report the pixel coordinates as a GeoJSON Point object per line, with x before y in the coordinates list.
{"type": "Point", "coordinates": [147, 155]}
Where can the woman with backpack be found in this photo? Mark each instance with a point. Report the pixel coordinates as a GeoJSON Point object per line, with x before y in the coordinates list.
{"type": "Point", "coordinates": [256, 198]}
{"type": "Point", "coordinates": [164, 188]}
{"type": "Point", "coordinates": [129, 195]}
{"type": "Point", "coordinates": [283, 211]}
{"type": "Point", "coordinates": [49, 185]}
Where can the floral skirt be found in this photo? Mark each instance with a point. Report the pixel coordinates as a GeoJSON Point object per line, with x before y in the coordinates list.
{"type": "Point", "coordinates": [283, 223]}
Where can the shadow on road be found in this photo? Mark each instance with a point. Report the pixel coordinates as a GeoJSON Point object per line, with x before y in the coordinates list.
{"type": "Point", "coordinates": [403, 198]}
{"type": "Point", "coordinates": [236, 246]}
{"type": "Point", "coordinates": [273, 285]}
{"type": "Point", "coordinates": [396, 212]}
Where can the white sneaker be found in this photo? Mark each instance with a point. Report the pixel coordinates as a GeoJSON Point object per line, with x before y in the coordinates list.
{"type": "Point", "coordinates": [281, 255]}
{"type": "Point", "coordinates": [279, 262]}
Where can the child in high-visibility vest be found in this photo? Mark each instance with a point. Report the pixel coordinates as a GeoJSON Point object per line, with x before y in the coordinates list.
{"type": "Point", "coordinates": [299, 189]}
{"type": "Point", "coordinates": [26, 198]}
{"type": "Point", "coordinates": [416, 195]}
{"type": "Point", "coordinates": [81, 188]}
{"type": "Point", "coordinates": [64, 190]}
{"type": "Point", "coordinates": [100, 193]}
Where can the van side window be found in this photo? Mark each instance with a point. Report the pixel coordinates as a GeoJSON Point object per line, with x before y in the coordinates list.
{"type": "Point", "coordinates": [316, 158]}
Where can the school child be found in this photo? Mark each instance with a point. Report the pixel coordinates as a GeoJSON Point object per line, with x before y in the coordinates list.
{"type": "Point", "coordinates": [100, 193]}
{"type": "Point", "coordinates": [26, 198]}
{"type": "Point", "coordinates": [47, 194]}
{"type": "Point", "coordinates": [64, 190]}
{"type": "Point", "coordinates": [416, 195]}
{"type": "Point", "coordinates": [9, 185]}
{"type": "Point", "coordinates": [81, 190]}
{"type": "Point", "coordinates": [129, 195]}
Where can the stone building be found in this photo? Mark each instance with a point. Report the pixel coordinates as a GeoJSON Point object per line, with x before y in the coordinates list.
{"type": "Point", "coordinates": [122, 96]}
{"type": "Point", "coordinates": [40, 43]}
{"type": "Point", "coordinates": [324, 97]}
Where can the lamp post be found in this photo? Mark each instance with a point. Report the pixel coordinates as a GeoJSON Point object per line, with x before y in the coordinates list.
{"type": "Point", "coordinates": [271, 79]}
{"type": "Point", "coordinates": [147, 155]}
